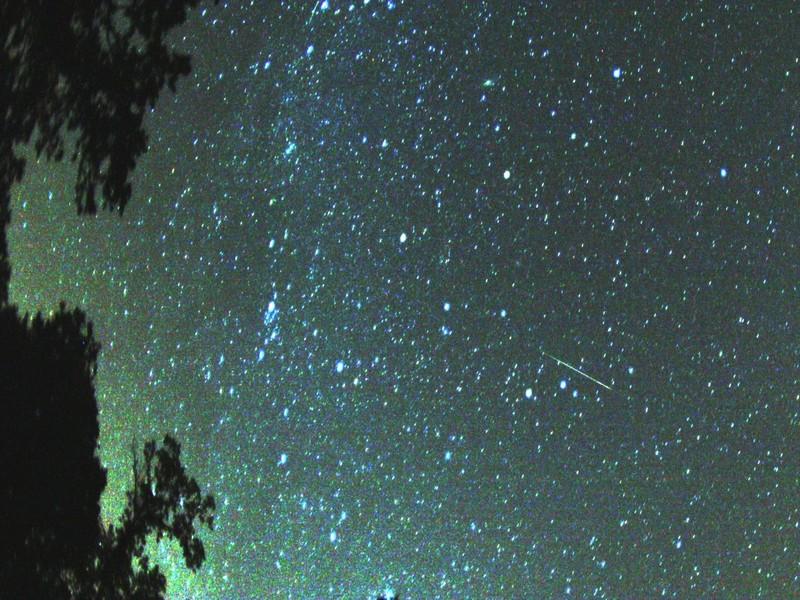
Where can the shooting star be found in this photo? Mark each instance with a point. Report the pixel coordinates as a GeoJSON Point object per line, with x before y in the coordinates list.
{"type": "Point", "coordinates": [313, 12]}
{"type": "Point", "coordinates": [577, 370]}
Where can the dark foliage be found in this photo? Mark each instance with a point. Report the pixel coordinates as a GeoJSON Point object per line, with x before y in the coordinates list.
{"type": "Point", "coordinates": [53, 545]}
{"type": "Point", "coordinates": [164, 502]}
{"type": "Point", "coordinates": [78, 76]}
{"type": "Point", "coordinates": [52, 480]}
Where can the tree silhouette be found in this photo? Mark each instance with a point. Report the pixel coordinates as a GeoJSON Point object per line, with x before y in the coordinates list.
{"type": "Point", "coordinates": [52, 479]}
{"type": "Point", "coordinates": [79, 75]}
{"type": "Point", "coordinates": [164, 502]}
{"type": "Point", "coordinates": [53, 545]}
{"type": "Point", "coordinates": [83, 72]}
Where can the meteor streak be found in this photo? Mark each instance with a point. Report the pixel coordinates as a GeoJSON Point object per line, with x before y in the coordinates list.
{"type": "Point", "coordinates": [577, 370]}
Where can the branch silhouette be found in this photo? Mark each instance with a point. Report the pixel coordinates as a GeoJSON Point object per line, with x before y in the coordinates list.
{"type": "Point", "coordinates": [76, 80]}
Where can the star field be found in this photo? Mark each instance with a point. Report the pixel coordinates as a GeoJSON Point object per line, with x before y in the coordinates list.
{"type": "Point", "coordinates": [359, 227]}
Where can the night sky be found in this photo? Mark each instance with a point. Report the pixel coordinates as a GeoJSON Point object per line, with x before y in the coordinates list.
{"type": "Point", "coordinates": [366, 245]}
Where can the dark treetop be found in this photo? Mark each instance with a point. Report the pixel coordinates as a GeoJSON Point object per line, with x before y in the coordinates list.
{"type": "Point", "coordinates": [78, 76]}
